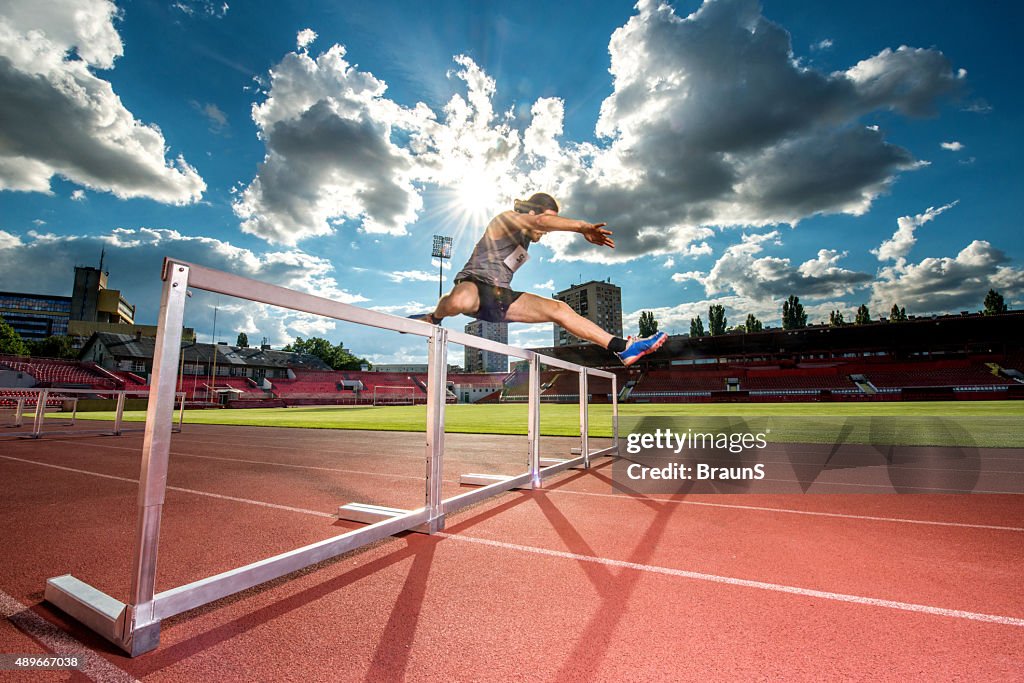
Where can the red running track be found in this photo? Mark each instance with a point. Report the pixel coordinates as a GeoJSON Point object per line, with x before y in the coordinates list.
{"type": "Point", "coordinates": [569, 583]}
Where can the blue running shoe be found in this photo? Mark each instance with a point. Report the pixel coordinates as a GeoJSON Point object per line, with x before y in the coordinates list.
{"type": "Point", "coordinates": [638, 348]}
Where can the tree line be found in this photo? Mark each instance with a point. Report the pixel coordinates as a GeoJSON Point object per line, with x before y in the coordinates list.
{"type": "Point", "coordinates": [794, 317]}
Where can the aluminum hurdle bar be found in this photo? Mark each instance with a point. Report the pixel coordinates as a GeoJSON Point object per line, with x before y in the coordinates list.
{"type": "Point", "coordinates": [134, 626]}
{"type": "Point", "coordinates": [39, 414]}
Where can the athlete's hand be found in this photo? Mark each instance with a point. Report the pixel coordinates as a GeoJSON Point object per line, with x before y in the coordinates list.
{"type": "Point", "coordinates": [596, 234]}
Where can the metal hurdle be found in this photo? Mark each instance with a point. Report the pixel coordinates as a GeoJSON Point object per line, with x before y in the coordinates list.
{"type": "Point", "coordinates": [134, 626]}
{"type": "Point", "coordinates": [40, 412]}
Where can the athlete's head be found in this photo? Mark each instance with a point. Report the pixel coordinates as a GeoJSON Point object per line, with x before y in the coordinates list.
{"type": "Point", "coordinates": [538, 204]}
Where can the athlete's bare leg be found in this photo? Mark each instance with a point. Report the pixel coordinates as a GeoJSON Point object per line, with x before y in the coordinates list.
{"type": "Point", "coordinates": [464, 299]}
{"type": "Point", "coordinates": [530, 308]}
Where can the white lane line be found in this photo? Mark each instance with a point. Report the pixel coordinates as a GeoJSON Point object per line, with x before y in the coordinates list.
{"type": "Point", "coordinates": [254, 462]}
{"type": "Point", "coordinates": [60, 643]}
{"type": "Point", "coordinates": [780, 588]}
{"type": "Point", "coordinates": [788, 511]}
{"type": "Point", "coordinates": [177, 488]}
{"type": "Point", "coordinates": [619, 496]}
{"type": "Point", "coordinates": [746, 583]}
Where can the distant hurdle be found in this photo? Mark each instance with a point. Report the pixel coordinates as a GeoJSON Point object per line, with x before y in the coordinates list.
{"type": "Point", "coordinates": [39, 398]}
{"type": "Point", "coordinates": [134, 626]}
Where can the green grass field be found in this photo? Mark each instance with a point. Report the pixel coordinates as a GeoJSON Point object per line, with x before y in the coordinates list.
{"type": "Point", "coordinates": [980, 423]}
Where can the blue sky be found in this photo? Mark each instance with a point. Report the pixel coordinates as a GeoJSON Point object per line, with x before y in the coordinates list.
{"type": "Point", "coordinates": [848, 152]}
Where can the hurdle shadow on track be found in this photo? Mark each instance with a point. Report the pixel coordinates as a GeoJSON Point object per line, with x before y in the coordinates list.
{"type": "Point", "coordinates": [614, 587]}
{"type": "Point", "coordinates": [391, 657]}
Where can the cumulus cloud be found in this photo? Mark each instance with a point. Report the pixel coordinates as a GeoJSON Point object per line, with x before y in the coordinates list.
{"type": "Point", "coordinates": [945, 284]}
{"type": "Point", "coordinates": [952, 146]}
{"type": "Point", "coordinates": [134, 259]}
{"type": "Point", "coordinates": [902, 241]}
{"type": "Point", "coordinates": [712, 120]}
{"type": "Point", "coordinates": [330, 156]}
{"type": "Point", "coordinates": [59, 118]}
{"type": "Point", "coordinates": [742, 272]}
{"type": "Point", "coordinates": [305, 38]}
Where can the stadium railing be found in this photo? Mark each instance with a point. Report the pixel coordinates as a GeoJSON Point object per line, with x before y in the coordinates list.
{"type": "Point", "coordinates": [134, 626]}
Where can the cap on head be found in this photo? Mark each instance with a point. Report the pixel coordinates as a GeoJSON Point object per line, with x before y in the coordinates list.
{"type": "Point", "coordinates": [538, 203]}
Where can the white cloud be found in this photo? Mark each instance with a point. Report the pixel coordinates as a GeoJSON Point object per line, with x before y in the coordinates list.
{"type": "Point", "coordinates": [329, 157]}
{"type": "Point", "coordinates": [694, 275]}
{"type": "Point", "coordinates": [408, 308]}
{"type": "Point", "coordinates": [60, 119]}
{"type": "Point", "coordinates": [767, 278]}
{"type": "Point", "coordinates": [9, 241]}
{"type": "Point", "coordinates": [305, 38]}
{"type": "Point", "coordinates": [134, 259]}
{"type": "Point", "coordinates": [952, 146]}
{"type": "Point", "coordinates": [948, 284]}
{"type": "Point", "coordinates": [209, 8]}
{"type": "Point", "coordinates": [823, 44]}
{"type": "Point", "coordinates": [548, 286]}
{"type": "Point", "coordinates": [411, 276]}
{"type": "Point", "coordinates": [218, 120]}
{"type": "Point", "coordinates": [712, 121]}
{"type": "Point", "coordinates": [78, 195]}
{"type": "Point", "coordinates": [902, 241]}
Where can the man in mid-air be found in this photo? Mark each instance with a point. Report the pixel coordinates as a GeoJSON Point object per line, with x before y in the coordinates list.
{"type": "Point", "coordinates": [482, 286]}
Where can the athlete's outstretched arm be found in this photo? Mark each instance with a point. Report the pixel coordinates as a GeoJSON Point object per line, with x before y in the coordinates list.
{"type": "Point", "coordinates": [595, 233]}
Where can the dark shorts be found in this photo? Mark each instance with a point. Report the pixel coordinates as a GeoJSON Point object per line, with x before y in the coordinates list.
{"type": "Point", "coordinates": [494, 300]}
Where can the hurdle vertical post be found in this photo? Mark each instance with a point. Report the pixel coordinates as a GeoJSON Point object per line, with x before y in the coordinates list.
{"type": "Point", "coordinates": [437, 377]}
{"type": "Point", "coordinates": [119, 413]}
{"type": "Point", "coordinates": [142, 628]}
{"type": "Point", "coordinates": [533, 418]}
{"type": "Point", "coordinates": [584, 420]}
{"type": "Point", "coordinates": [615, 413]}
{"type": "Point", "coordinates": [37, 424]}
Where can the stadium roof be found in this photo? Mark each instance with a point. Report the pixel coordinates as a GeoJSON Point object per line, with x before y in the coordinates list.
{"type": "Point", "coordinates": [138, 347]}
{"type": "Point", "coordinates": [964, 333]}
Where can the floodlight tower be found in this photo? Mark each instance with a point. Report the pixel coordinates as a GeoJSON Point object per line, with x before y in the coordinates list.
{"type": "Point", "coordinates": [442, 250]}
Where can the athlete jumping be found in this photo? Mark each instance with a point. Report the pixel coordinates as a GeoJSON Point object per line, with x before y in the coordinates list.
{"type": "Point", "coordinates": [482, 286]}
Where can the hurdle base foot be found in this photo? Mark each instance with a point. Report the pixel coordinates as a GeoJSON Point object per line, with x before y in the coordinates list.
{"type": "Point", "coordinates": [554, 462]}
{"type": "Point", "coordinates": [104, 615]}
{"type": "Point", "coordinates": [365, 513]}
{"type": "Point", "coordinates": [488, 479]}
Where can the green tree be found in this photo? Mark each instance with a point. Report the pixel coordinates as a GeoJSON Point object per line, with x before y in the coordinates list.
{"type": "Point", "coordinates": [10, 340]}
{"type": "Point", "coordinates": [56, 346]}
{"type": "Point", "coordinates": [793, 315]}
{"type": "Point", "coordinates": [716, 319]}
{"type": "Point", "coordinates": [897, 314]}
{"type": "Point", "coordinates": [336, 356]}
{"type": "Point", "coordinates": [994, 303]}
{"type": "Point", "coordinates": [863, 315]}
{"type": "Point", "coordinates": [648, 325]}
{"type": "Point", "coordinates": [835, 319]}
{"type": "Point", "coordinates": [243, 340]}
{"type": "Point", "coordinates": [753, 324]}
{"type": "Point", "coordinates": [696, 327]}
